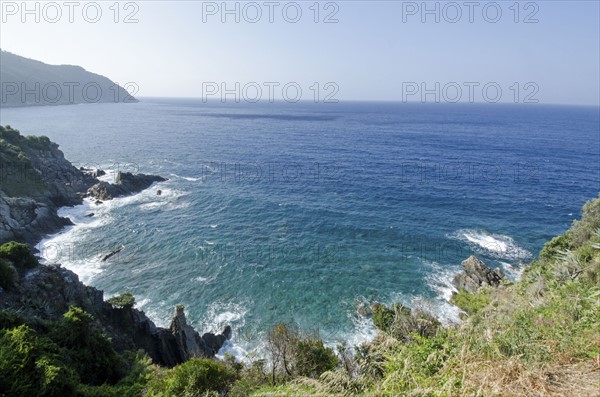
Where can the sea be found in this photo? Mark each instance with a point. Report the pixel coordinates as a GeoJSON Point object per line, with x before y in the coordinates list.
{"type": "Point", "coordinates": [304, 212]}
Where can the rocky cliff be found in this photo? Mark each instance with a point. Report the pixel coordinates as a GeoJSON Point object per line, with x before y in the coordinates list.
{"type": "Point", "coordinates": [46, 292]}
{"type": "Point", "coordinates": [35, 181]}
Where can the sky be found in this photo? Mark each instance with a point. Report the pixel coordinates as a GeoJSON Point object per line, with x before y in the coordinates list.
{"type": "Point", "coordinates": [543, 51]}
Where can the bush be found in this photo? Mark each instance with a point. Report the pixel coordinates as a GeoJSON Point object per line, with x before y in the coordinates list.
{"type": "Point", "coordinates": [383, 318]}
{"type": "Point", "coordinates": [131, 385]}
{"type": "Point", "coordinates": [10, 319]}
{"type": "Point", "coordinates": [195, 377]}
{"type": "Point", "coordinates": [19, 254]}
{"type": "Point", "coordinates": [30, 366]}
{"type": "Point", "coordinates": [311, 358]}
{"type": "Point", "coordinates": [39, 142]}
{"type": "Point", "coordinates": [252, 377]}
{"type": "Point", "coordinates": [8, 274]}
{"type": "Point", "coordinates": [87, 349]}
{"type": "Point", "coordinates": [123, 301]}
{"type": "Point", "coordinates": [555, 246]}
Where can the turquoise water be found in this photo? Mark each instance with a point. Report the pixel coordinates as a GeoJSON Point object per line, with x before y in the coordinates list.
{"type": "Point", "coordinates": [295, 212]}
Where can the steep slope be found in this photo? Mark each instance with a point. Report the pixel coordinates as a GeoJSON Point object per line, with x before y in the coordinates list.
{"type": "Point", "coordinates": [27, 82]}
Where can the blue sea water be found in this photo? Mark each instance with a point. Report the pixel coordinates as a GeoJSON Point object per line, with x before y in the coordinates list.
{"type": "Point", "coordinates": [296, 212]}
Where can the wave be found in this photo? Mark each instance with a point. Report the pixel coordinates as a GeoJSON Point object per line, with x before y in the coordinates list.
{"type": "Point", "coordinates": [496, 245]}
{"type": "Point", "coordinates": [69, 248]}
{"type": "Point", "coordinates": [187, 178]}
{"type": "Point", "coordinates": [439, 279]}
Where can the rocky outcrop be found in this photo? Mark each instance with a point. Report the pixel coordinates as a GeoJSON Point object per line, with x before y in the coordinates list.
{"type": "Point", "coordinates": [46, 292]}
{"type": "Point", "coordinates": [36, 180]}
{"type": "Point", "coordinates": [125, 184]}
{"type": "Point", "coordinates": [190, 343]}
{"type": "Point", "coordinates": [476, 274]}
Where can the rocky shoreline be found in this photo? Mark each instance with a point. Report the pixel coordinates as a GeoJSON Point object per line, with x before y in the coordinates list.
{"type": "Point", "coordinates": [35, 181]}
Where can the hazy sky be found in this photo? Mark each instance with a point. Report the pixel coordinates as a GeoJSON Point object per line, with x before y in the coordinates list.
{"type": "Point", "coordinates": [375, 50]}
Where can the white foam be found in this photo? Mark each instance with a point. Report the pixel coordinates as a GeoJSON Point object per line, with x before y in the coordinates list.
{"type": "Point", "coordinates": [513, 272]}
{"type": "Point", "coordinates": [439, 279]}
{"type": "Point", "coordinates": [363, 331]}
{"type": "Point", "coordinates": [187, 178]}
{"type": "Point", "coordinates": [497, 245]}
{"type": "Point", "coordinates": [143, 303]}
{"type": "Point", "coordinates": [68, 246]}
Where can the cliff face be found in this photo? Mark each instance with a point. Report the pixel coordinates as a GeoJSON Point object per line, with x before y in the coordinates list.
{"type": "Point", "coordinates": [35, 181]}
{"type": "Point", "coordinates": [46, 292]}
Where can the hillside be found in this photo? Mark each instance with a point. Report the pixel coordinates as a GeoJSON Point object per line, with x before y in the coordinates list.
{"type": "Point", "coordinates": [27, 82]}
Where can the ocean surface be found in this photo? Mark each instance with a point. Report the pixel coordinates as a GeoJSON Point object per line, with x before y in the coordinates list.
{"type": "Point", "coordinates": [300, 212]}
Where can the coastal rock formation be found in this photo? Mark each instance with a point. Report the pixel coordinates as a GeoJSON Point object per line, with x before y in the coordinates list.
{"type": "Point", "coordinates": [126, 184]}
{"type": "Point", "coordinates": [476, 274]}
{"type": "Point", "coordinates": [46, 292]}
{"type": "Point", "coordinates": [36, 180]}
{"type": "Point", "coordinates": [190, 343]}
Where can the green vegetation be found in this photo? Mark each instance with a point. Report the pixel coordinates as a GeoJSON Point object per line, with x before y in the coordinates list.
{"type": "Point", "coordinates": [8, 274]}
{"type": "Point", "coordinates": [538, 336]}
{"type": "Point", "coordinates": [195, 377]}
{"type": "Point", "coordinates": [14, 256]}
{"type": "Point", "coordinates": [19, 254]}
{"type": "Point", "coordinates": [123, 301]}
{"type": "Point", "coordinates": [54, 362]}
{"type": "Point", "coordinates": [471, 303]}
{"type": "Point", "coordinates": [18, 178]}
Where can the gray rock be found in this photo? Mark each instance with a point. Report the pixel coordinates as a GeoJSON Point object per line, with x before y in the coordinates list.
{"type": "Point", "coordinates": [126, 184]}
{"type": "Point", "coordinates": [46, 292]}
{"type": "Point", "coordinates": [476, 274]}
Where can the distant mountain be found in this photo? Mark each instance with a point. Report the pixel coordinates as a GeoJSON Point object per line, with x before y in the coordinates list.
{"type": "Point", "coordinates": [27, 82]}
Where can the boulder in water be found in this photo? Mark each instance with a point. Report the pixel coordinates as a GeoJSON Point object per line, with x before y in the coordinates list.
{"type": "Point", "coordinates": [476, 274]}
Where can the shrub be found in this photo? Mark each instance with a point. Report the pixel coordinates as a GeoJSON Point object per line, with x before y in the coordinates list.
{"type": "Point", "coordinates": [123, 301]}
{"type": "Point", "coordinates": [383, 317]}
{"type": "Point", "coordinates": [10, 319]}
{"type": "Point", "coordinates": [30, 366]}
{"type": "Point", "coordinates": [251, 377]}
{"type": "Point", "coordinates": [8, 274]}
{"type": "Point", "coordinates": [19, 254]}
{"type": "Point", "coordinates": [311, 358]}
{"type": "Point", "coordinates": [39, 142]}
{"type": "Point", "coordinates": [195, 377]}
{"type": "Point", "coordinates": [555, 246]}
{"type": "Point", "coordinates": [87, 349]}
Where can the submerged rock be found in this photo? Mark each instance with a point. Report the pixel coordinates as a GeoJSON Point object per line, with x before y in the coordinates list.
{"type": "Point", "coordinates": [112, 253]}
{"type": "Point", "coordinates": [476, 274]}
